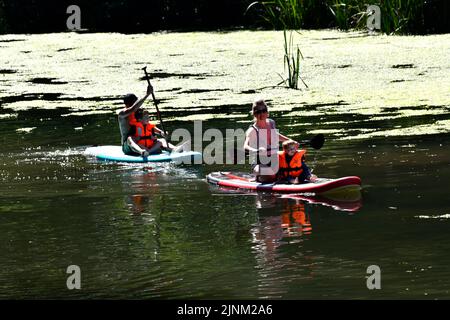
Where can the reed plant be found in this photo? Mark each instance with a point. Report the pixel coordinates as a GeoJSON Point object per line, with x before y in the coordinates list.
{"type": "Point", "coordinates": [285, 14]}
{"type": "Point", "coordinates": [292, 55]}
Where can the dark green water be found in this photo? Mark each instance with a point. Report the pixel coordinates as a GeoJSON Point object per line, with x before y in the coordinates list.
{"type": "Point", "coordinates": [161, 231]}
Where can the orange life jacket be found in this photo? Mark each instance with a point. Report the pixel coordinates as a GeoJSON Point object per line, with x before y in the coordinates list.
{"type": "Point", "coordinates": [292, 169]}
{"type": "Point", "coordinates": [144, 133]}
{"type": "Point", "coordinates": [298, 214]}
{"type": "Point", "coordinates": [132, 119]}
{"type": "Point", "coordinates": [295, 221]}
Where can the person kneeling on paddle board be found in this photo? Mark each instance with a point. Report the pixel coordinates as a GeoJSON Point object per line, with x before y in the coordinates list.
{"type": "Point", "coordinates": [142, 135]}
{"type": "Point", "coordinates": [291, 164]}
{"type": "Point", "coordinates": [127, 119]}
{"type": "Point", "coordinates": [262, 138]}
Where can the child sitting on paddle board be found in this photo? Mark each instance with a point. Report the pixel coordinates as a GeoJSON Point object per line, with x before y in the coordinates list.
{"type": "Point", "coordinates": [291, 164]}
{"type": "Point", "coordinates": [142, 136]}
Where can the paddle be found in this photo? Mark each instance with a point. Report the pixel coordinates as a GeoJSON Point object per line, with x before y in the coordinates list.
{"type": "Point", "coordinates": [157, 109]}
{"type": "Point", "coordinates": [316, 142]}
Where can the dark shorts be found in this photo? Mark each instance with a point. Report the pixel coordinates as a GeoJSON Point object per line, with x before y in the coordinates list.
{"type": "Point", "coordinates": [128, 151]}
{"type": "Point", "coordinates": [306, 173]}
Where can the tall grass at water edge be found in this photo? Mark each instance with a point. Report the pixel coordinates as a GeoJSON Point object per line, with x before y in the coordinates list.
{"type": "Point", "coordinates": [282, 14]}
{"type": "Point", "coordinates": [397, 16]}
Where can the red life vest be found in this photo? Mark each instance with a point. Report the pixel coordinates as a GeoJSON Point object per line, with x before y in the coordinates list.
{"type": "Point", "coordinates": [132, 119]}
{"type": "Point", "coordinates": [145, 134]}
{"type": "Point", "coordinates": [293, 169]}
{"type": "Point", "coordinates": [297, 213]}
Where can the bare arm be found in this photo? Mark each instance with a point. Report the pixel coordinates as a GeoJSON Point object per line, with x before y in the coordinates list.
{"type": "Point", "coordinates": [247, 146]}
{"type": "Point", "coordinates": [247, 140]}
{"type": "Point", "coordinates": [128, 111]}
{"type": "Point", "coordinates": [282, 137]}
{"type": "Point", "coordinates": [158, 131]}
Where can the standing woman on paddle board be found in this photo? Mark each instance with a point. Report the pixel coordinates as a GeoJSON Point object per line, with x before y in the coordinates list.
{"type": "Point", "coordinates": [126, 120]}
{"type": "Point", "coordinates": [262, 138]}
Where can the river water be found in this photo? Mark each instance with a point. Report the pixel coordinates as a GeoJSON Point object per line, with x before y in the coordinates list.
{"type": "Point", "coordinates": [160, 231]}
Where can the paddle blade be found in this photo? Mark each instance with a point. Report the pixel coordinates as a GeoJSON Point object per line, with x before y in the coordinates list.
{"type": "Point", "coordinates": [317, 142]}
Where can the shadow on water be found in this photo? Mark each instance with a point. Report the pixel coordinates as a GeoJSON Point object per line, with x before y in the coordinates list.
{"type": "Point", "coordinates": [46, 81]}
{"type": "Point", "coordinates": [65, 49]}
{"type": "Point", "coordinates": [164, 75]}
{"type": "Point", "coordinates": [11, 40]}
{"type": "Point", "coordinates": [7, 71]}
{"type": "Point", "coordinates": [51, 96]}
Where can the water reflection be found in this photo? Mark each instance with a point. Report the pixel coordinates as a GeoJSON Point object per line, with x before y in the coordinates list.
{"type": "Point", "coordinates": [285, 218]}
{"type": "Point", "coordinates": [350, 202]}
{"type": "Point", "coordinates": [291, 217]}
{"type": "Point", "coordinates": [143, 200]}
{"type": "Point", "coordinates": [138, 203]}
{"type": "Point", "coordinates": [281, 221]}
{"type": "Point", "coordinates": [283, 238]}
{"type": "Point", "coordinates": [283, 224]}
{"type": "Point", "coordinates": [139, 191]}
